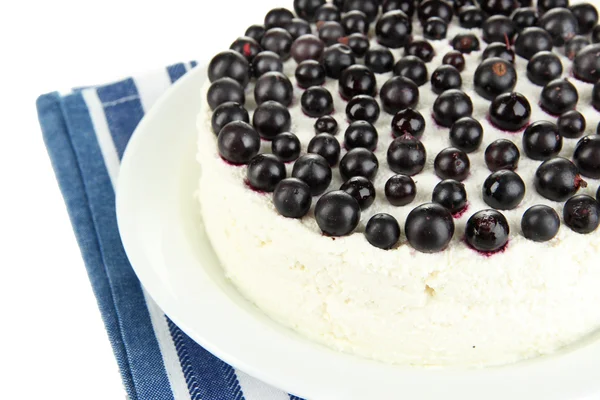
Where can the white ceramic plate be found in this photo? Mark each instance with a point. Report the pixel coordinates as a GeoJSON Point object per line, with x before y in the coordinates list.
{"type": "Point", "coordinates": [165, 241]}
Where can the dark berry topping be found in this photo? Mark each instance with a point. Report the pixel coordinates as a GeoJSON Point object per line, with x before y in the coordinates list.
{"type": "Point", "coordinates": [393, 29]}
{"type": "Point", "coordinates": [487, 231]}
{"type": "Point", "coordinates": [247, 47]}
{"type": "Point", "coordinates": [361, 134]}
{"type": "Point", "coordinates": [494, 76]}
{"type": "Point", "coordinates": [382, 231]}
{"type": "Point", "coordinates": [225, 90]}
{"type": "Point", "coordinates": [560, 23]}
{"type": "Point", "coordinates": [458, 4]}
{"type": "Point", "coordinates": [359, 162]}
{"type": "Point", "coordinates": [369, 7]}
{"type": "Point", "coordinates": [256, 32]}
{"type": "Point", "coordinates": [306, 9]}
{"type": "Point", "coordinates": [328, 12]}
{"type": "Point", "coordinates": [379, 60]}
{"type": "Point", "coordinates": [456, 59]}
{"type": "Point", "coordinates": [544, 67]}
{"type": "Point", "coordinates": [452, 163]}
{"type": "Point", "coordinates": [596, 34]}
{"type": "Point", "coordinates": [503, 190]}
{"type": "Point", "coordinates": [361, 189]}
{"type": "Point", "coordinates": [264, 172]}
{"type": "Point", "coordinates": [510, 111]}
{"type": "Point", "coordinates": [337, 213]}
{"type": "Point", "coordinates": [286, 146]}
{"type": "Point", "coordinates": [421, 49]}
{"type": "Point", "coordinates": [531, 41]}
{"type": "Point", "coordinates": [541, 141]}
{"type": "Point", "coordinates": [229, 64]}
{"type": "Point", "coordinates": [540, 223]}
{"type": "Point", "coordinates": [466, 134]}
{"type": "Point", "coordinates": [307, 47]}
{"type": "Point", "coordinates": [355, 22]}
{"type": "Point", "coordinates": [586, 15]}
{"type": "Point", "coordinates": [575, 45]}
{"type": "Point", "coordinates": [598, 194]}
{"type": "Point", "coordinates": [279, 41]}
{"type": "Point", "coordinates": [408, 121]}
{"type": "Point", "coordinates": [596, 96]}
{"type": "Point", "coordinates": [337, 58]}
{"type": "Point", "coordinates": [278, 18]}
{"type": "Point", "coordinates": [266, 61]}
{"type": "Point", "coordinates": [400, 190]}
{"type": "Point", "coordinates": [445, 77]}
{"type": "Point", "coordinates": [355, 80]}
{"type": "Point", "coordinates": [316, 101]}
{"type": "Point", "coordinates": [450, 106]}
{"type": "Point", "coordinates": [363, 108]}
{"type": "Point", "coordinates": [326, 124]}
{"type": "Point", "coordinates": [310, 73]}
{"type": "Point", "coordinates": [558, 179]}
{"type": "Point", "coordinates": [545, 5]}
{"type": "Point", "coordinates": [587, 156]}
{"type": "Point", "coordinates": [499, 28]}
{"type": "Point", "coordinates": [327, 146]}
{"type": "Point", "coordinates": [451, 195]}
{"type": "Point", "coordinates": [358, 43]}
{"type": "Point", "coordinates": [274, 86]}
{"type": "Point", "coordinates": [571, 124]}
{"type": "Point", "coordinates": [315, 171]}
{"type": "Point", "coordinates": [330, 32]}
{"type": "Point", "coordinates": [407, 6]}
{"type": "Point", "coordinates": [399, 93]}
{"type": "Point", "coordinates": [582, 214]}
{"type": "Point", "coordinates": [471, 17]}
{"type": "Point", "coordinates": [413, 68]}
{"type": "Point", "coordinates": [499, 50]}
{"type": "Point", "coordinates": [292, 198]}
{"type": "Point", "coordinates": [493, 7]}
{"type": "Point", "coordinates": [238, 142]}
{"type": "Point", "coordinates": [429, 228]}
{"type": "Point", "coordinates": [406, 155]}
{"type": "Point", "coordinates": [435, 8]}
{"type": "Point", "coordinates": [298, 27]}
{"type": "Point", "coordinates": [586, 65]}
{"type": "Point", "coordinates": [435, 28]}
{"type": "Point", "coordinates": [525, 17]}
{"type": "Point", "coordinates": [226, 113]}
{"type": "Point", "coordinates": [559, 96]}
{"type": "Point", "coordinates": [502, 154]}
{"type": "Point", "coordinates": [270, 119]}
{"type": "Point", "coordinates": [465, 42]}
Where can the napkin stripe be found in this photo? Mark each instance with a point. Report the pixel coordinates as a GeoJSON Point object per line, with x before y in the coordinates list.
{"type": "Point", "coordinates": [256, 390]}
{"type": "Point", "coordinates": [176, 71]}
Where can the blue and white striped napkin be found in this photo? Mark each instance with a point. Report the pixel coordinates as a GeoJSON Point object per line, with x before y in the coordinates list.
{"type": "Point", "coordinates": [86, 133]}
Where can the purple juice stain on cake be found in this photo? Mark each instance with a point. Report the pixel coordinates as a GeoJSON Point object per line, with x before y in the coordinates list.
{"type": "Point", "coordinates": [460, 213]}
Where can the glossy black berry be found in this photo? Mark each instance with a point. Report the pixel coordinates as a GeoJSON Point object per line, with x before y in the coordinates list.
{"type": "Point", "coordinates": [393, 29]}
{"type": "Point", "coordinates": [540, 223]}
{"type": "Point", "coordinates": [502, 154]}
{"type": "Point", "coordinates": [361, 134]}
{"type": "Point", "coordinates": [586, 15]}
{"type": "Point", "coordinates": [361, 189]}
{"type": "Point", "coordinates": [558, 179]}
{"type": "Point", "coordinates": [356, 80]}
{"type": "Point", "coordinates": [225, 90]}
{"type": "Point", "coordinates": [499, 50]}
{"type": "Point", "coordinates": [400, 190]}
{"type": "Point", "coordinates": [408, 121]}
{"type": "Point", "coordinates": [369, 7]}
{"type": "Point", "coordinates": [270, 119]}
{"type": "Point", "coordinates": [560, 23]}
{"type": "Point", "coordinates": [413, 68]}
{"type": "Point", "coordinates": [559, 96]}
{"type": "Point", "coordinates": [328, 12]}
{"type": "Point", "coordinates": [582, 214]}
{"type": "Point", "coordinates": [359, 162]}
{"type": "Point", "coordinates": [336, 59]}
{"type": "Point", "coordinates": [494, 7]}
{"type": "Point", "coordinates": [316, 101]}
{"type": "Point", "coordinates": [450, 106]}
{"type": "Point", "coordinates": [451, 195]}
{"type": "Point", "coordinates": [229, 64]}
{"type": "Point", "coordinates": [307, 47]}
{"type": "Point", "coordinates": [586, 65]}
{"type": "Point", "coordinates": [330, 32]}
{"type": "Point", "coordinates": [587, 156]}
{"type": "Point", "coordinates": [315, 171]}
{"type": "Point", "coordinates": [595, 36]}
{"type": "Point", "coordinates": [292, 198]}
{"type": "Point", "coordinates": [541, 140]}
{"type": "Point", "coordinates": [575, 45]}
{"type": "Point", "coordinates": [327, 146]}
{"type": "Point", "coordinates": [406, 155]}
{"type": "Point", "coordinates": [256, 32]}
{"type": "Point", "coordinates": [274, 86]}
{"type": "Point", "coordinates": [310, 73]}
{"type": "Point", "coordinates": [279, 41]}
{"type": "Point", "coordinates": [326, 124]}
{"type": "Point", "coordinates": [379, 60]}
{"type": "Point", "coordinates": [571, 124]}
{"type": "Point", "coordinates": [471, 17]}
{"type": "Point", "coordinates": [266, 61]}
{"type": "Point", "coordinates": [503, 190]}
{"type": "Point", "coordinates": [355, 22]}
{"type": "Point", "coordinates": [545, 5]}
{"type": "Point", "coordinates": [494, 76]}
{"type": "Point", "coordinates": [382, 231]}
{"type": "Point", "coordinates": [465, 43]}
{"type": "Point", "coordinates": [435, 8]}
{"type": "Point", "coordinates": [226, 113]}
{"type": "Point", "coordinates": [398, 93]}
{"type": "Point", "coordinates": [499, 28]}
{"type": "Point", "coordinates": [525, 17]}
{"type": "Point", "coordinates": [306, 9]}
{"type": "Point", "coordinates": [487, 231]}
{"type": "Point", "coordinates": [435, 28]}
{"type": "Point", "coordinates": [358, 43]}
{"type": "Point", "coordinates": [454, 58]}
{"type": "Point", "coordinates": [264, 172]}
{"type": "Point", "coordinates": [544, 67]}
{"type": "Point", "coordinates": [598, 194]}
{"type": "Point", "coordinates": [596, 96]}
{"type": "Point", "coordinates": [337, 213]}
{"type": "Point", "coordinates": [452, 163]}
{"type": "Point", "coordinates": [298, 27]}
{"type": "Point", "coordinates": [458, 4]}
{"type": "Point", "coordinates": [421, 49]}
{"type": "Point", "coordinates": [445, 77]}
{"type": "Point", "coordinates": [407, 6]}
{"type": "Point", "coordinates": [531, 41]}
{"type": "Point", "coordinates": [429, 228]}
{"type": "Point", "coordinates": [277, 18]}
{"type": "Point", "coordinates": [510, 111]}
{"type": "Point", "coordinates": [286, 146]}
{"type": "Point", "coordinates": [466, 134]}
{"type": "Point", "coordinates": [238, 142]}
{"type": "Point", "coordinates": [247, 47]}
{"type": "Point", "coordinates": [363, 108]}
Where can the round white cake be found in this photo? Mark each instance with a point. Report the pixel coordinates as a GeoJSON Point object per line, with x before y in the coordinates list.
{"type": "Point", "coordinates": [453, 307]}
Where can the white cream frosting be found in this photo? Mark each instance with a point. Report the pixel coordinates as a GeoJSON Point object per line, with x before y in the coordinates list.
{"type": "Point", "coordinates": [456, 307]}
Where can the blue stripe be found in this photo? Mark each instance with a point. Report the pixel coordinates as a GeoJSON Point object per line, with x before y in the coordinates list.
{"type": "Point", "coordinates": [176, 71]}
{"type": "Point", "coordinates": [292, 397]}
{"type": "Point", "coordinates": [141, 347]}
{"type": "Point", "coordinates": [207, 377]}
{"type": "Point", "coordinates": [193, 64]}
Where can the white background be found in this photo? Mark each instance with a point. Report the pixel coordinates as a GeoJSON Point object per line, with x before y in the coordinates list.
{"type": "Point", "coordinates": [52, 339]}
